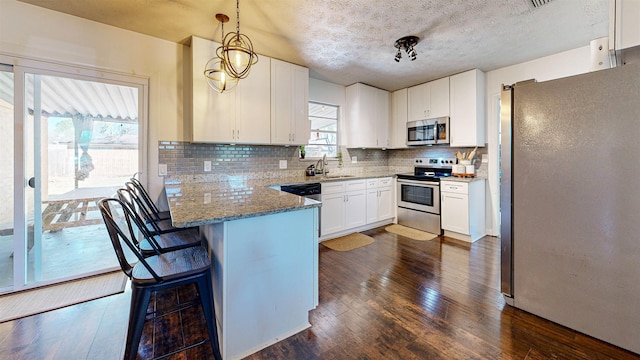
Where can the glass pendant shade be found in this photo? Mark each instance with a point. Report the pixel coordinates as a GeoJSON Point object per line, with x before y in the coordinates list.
{"type": "Point", "coordinates": [237, 52]}
{"type": "Point", "coordinates": [217, 78]}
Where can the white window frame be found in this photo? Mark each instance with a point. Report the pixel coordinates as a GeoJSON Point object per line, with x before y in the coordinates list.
{"type": "Point", "coordinates": [337, 132]}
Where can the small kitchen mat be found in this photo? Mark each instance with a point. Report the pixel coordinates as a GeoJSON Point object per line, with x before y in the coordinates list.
{"type": "Point", "coordinates": [348, 242]}
{"type": "Point", "coordinates": [52, 297]}
{"type": "Point", "coordinates": [410, 233]}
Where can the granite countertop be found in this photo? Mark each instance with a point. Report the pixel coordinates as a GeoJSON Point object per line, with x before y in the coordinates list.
{"type": "Point", "coordinates": [194, 203]}
{"type": "Point", "coordinates": [462, 179]}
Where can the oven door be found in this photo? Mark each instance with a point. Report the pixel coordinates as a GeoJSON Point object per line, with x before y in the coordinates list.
{"type": "Point", "coordinates": [419, 195]}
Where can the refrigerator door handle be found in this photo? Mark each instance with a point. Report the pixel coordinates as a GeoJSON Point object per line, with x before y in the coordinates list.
{"type": "Point", "coordinates": [506, 213]}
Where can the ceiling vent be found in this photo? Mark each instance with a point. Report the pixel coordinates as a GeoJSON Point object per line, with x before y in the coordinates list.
{"type": "Point", "coordinates": [538, 3]}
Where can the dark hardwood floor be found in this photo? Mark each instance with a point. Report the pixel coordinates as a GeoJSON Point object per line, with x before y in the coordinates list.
{"type": "Point", "coordinates": [394, 299]}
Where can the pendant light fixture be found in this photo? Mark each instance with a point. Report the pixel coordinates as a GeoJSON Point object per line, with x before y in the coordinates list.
{"type": "Point", "coordinates": [237, 51]}
{"type": "Point", "coordinates": [215, 70]}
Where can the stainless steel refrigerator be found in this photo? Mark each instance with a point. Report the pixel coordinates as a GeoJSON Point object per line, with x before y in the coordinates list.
{"type": "Point", "coordinates": [570, 202]}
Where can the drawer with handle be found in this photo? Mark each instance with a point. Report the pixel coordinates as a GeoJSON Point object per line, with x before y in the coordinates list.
{"type": "Point", "coordinates": [454, 187]}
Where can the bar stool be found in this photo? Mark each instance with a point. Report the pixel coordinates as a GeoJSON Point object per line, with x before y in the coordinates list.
{"type": "Point", "coordinates": [144, 195]}
{"type": "Point", "coordinates": [129, 196]}
{"type": "Point", "coordinates": [156, 241]}
{"type": "Point", "coordinates": [159, 272]}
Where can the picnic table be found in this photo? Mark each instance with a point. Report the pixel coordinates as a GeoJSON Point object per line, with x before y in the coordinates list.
{"type": "Point", "coordinates": [71, 208]}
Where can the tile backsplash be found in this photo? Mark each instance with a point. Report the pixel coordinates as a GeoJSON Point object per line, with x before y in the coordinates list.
{"type": "Point", "coordinates": [184, 158]}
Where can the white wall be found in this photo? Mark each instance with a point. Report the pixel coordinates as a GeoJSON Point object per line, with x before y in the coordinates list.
{"type": "Point", "coordinates": [568, 63]}
{"type": "Point", "coordinates": [37, 33]}
{"type": "Point", "coordinates": [31, 31]}
{"type": "Point", "coordinates": [332, 94]}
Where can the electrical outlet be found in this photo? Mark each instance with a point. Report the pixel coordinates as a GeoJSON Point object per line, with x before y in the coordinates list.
{"type": "Point", "coordinates": [162, 169]}
{"type": "Point", "coordinates": [283, 164]}
{"type": "Point", "coordinates": [207, 198]}
{"type": "Point", "coordinates": [485, 158]}
{"type": "Point", "coordinates": [354, 159]}
{"type": "Point", "coordinates": [207, 165]}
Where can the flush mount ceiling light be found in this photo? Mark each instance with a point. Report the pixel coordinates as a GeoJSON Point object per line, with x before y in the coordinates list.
{"type": "Point", "coordinates": [215, 70]}
{"type": "Point", "coordinates": [237, 51]}
{"type": "Point", "coordinates": [407, 43]}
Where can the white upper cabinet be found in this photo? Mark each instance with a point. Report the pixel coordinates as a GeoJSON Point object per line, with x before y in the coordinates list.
{"type": "Point", "coordinates": [399, 116]}
{"type": "Point", "coordinates": [240, 116]}
{"type": "Point", "coordinates": [467, 109]}
{"type": "Point", "coordinates": [439, 97]}
{"type": "Point", "coordinates": [429, 100]}
{"type": "Point", "coordinates": [624, 24]}
{"type": "Point", "coordinates": [289, 103]}
{"type": "Point", "coordinates": [418, 99]}
{"type": "Point", "coordinates": [253, 102]}
{"type": "Point", "coordinates": [367, 116]}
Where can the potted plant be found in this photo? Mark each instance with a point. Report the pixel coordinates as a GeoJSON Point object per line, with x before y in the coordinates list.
{"type": "Point", "coordinates": [302, 152]}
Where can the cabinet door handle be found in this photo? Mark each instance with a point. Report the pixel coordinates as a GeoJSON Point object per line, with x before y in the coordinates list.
{"type": "Point", "coordinates": [237, 134]}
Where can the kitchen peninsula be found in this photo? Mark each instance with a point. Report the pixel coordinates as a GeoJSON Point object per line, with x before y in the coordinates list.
{"type": "Point", "coordinates": [264, 249]}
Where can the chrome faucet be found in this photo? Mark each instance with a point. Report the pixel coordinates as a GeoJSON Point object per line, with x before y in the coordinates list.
{"type": "Point", "coordinates": [322, 165]}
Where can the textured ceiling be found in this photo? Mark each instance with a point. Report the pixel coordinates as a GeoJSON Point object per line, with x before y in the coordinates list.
{"type": "Point", "coordinates": [348, 41]}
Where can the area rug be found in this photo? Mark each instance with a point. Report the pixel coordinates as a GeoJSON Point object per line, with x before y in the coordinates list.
{"type": "Point", "coordinates": [348, 242]}
{"type": "Point", "coordinates": [36, 301]}
{"type": "Point", "coordinates": [410, 233]}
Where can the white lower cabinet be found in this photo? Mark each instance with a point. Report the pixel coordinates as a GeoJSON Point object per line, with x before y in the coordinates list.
{"type": "Point", "coordinates": [354, 204]}
{"type": "Point", "coordinates": [386, 205]}
{"type": "Point", "coordinates": [379, 199]}
{"type": "Point", "coordinates": [343, 206]}
{"type": "Point", "coordinates": [462, 209]}
{"type": "Point", "coordinates": [332, 213]}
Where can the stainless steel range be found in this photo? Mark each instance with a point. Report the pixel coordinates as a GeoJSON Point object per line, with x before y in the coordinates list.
{"type": "Point", "coordinates": [419, 194]}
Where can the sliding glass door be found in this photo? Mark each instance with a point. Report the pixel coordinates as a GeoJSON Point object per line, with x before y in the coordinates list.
{"type": "Point", "coordinates": [6, 177]}
{"type": "Point", "coordinates": [78, 141]}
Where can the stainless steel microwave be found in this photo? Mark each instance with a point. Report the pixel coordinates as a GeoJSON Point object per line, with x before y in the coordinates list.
{"type": "Point", "coordinates": [428, 132]}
